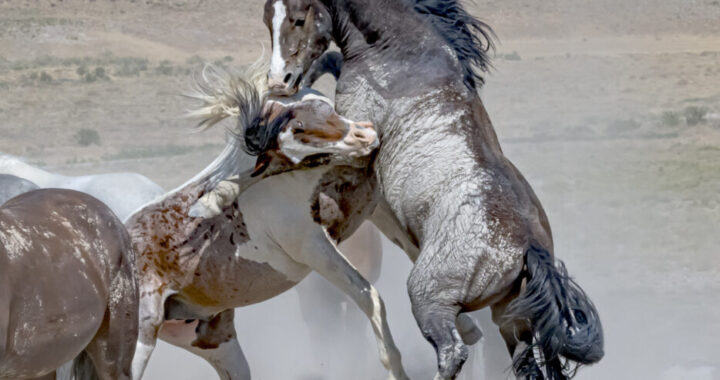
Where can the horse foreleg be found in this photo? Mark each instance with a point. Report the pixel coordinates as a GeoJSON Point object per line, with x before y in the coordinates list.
{"type": "Point", "coordinates": [214, 341]}
{"type": "Point", "coordinates": [321, 254]}
{"type": "Point", "coordinates": [151, 316]}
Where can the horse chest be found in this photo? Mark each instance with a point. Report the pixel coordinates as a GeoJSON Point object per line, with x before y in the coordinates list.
{"type": "Point", "coordinates": [342, 199]}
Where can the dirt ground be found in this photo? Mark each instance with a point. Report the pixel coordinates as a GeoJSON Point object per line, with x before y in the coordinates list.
{"type": "Point", "coordinates": [611, 109]}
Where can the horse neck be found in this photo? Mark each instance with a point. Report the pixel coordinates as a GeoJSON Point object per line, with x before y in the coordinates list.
{"type": "Point", "coordinates": [16, 167]}
{"type": "Point", "coordinates": [374, 27]}
{"type": "Point", "coordinates": [232, 160]}
{"type": "Point", "coordinates": [168, 216]}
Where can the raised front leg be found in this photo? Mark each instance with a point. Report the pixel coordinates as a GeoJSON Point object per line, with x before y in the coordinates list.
{"type": "Point", "coordinates": [320, 253]}
{"type": "Point", "coordinates": [214, 341]}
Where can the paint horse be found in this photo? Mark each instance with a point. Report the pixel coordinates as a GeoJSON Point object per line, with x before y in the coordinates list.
{"type": "Point", "coordinates": [194, 270]}
{"type": "Point", "coordinates": [12, 186]}
{"type": "Point", "coordinates": [446, 194]}
{"type": "Point", "coordinates": [68, 287]}
{"type": "Point", "coordinates": [124, 193]}
{"type": "Point", "coordinates": [319, 300]}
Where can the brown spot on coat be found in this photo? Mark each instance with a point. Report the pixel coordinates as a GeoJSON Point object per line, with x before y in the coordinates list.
{"type": "Point", "coordinates": [342, 199]}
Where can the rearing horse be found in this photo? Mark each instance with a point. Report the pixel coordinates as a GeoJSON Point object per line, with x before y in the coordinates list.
{"type": "Point", "coordinates": [446, 193]}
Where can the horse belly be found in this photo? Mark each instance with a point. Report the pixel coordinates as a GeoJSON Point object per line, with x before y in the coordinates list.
{"type": "Point", "coordinates": [230, 281]}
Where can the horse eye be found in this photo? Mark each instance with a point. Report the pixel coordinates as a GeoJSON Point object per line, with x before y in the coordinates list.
{"type": "Point", "coordinates": [298, 127]}
{"type": "Point", "coordinates": [300, 23]}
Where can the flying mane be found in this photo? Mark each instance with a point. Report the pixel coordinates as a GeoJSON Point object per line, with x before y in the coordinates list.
{"type": "Point", "coordinates": [470, 38]}
{"type": "Point", "coordinates": [240, 96]}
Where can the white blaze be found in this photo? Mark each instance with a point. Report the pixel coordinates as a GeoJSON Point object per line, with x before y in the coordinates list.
{"type": "Point", "coordinates": [277, 64]}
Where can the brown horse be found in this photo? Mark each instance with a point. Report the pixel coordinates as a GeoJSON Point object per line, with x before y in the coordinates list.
{"type": "Point", "coordinates": [67, 286]}
{"type": "Point", "coordinates": [215, 243]}
{"type": "Point", "coordinates": [464, 214]}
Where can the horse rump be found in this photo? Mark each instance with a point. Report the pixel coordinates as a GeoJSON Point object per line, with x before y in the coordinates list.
{"type": "Point", "coordinates": [565, 327]}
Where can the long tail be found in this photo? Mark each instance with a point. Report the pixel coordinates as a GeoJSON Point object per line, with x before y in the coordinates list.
{"type": "Point", "coordinates": [83, 368]}
{"type": "Point", "coordinates": [563, 321]}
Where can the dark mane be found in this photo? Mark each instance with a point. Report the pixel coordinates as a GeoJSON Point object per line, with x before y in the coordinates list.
{"type": "Point", "coordinates": [470, 38]}
{"type": "Point", "coordinates": [225, 94]}
{"type": "Point", "coordinates": [261, 136]}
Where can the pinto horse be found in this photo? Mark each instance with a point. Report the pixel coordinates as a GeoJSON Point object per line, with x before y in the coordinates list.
{"type": "Point", "coordinates": [68, 287]}
{"type": "Point", "coordinates": [446, 194]}
{"type": "Point", "coordinates": [196, 265]}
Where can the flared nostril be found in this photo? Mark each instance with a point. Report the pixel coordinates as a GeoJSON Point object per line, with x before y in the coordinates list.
{"type": "Point", "coordinates": [287, 78]}
{"type": "Point", "coordinates": [274, 83]}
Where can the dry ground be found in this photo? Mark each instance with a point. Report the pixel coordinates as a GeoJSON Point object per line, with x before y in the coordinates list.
{"type": "Point", "coordinates": [611, 108]}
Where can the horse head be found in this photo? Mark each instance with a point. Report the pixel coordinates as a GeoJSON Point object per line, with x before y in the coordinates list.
{"type": "Point", "coordinates": [301, 32]}
{"type": "Point", "coordinates": [282, 131]}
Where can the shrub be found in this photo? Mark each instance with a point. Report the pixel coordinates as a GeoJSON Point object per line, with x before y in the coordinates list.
{"type": "Point", "coordinates": [100, 73]}
{"type": "Point", "coordinates": [670, 119]}
{"type": "Point", "coordinates": [131, 66]}
{"type": "Point", "coordinates": [45, 77]}
{"type": "Point", "coordinates": [164, 68]}
{"type": "Point", "coordinates": [695, 115]}
{"type": "Point", "coordinates": [87, 137]}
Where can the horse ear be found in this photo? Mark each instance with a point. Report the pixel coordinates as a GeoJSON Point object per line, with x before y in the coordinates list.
{"type": "Point", "coordinates": [261, 164]}
{"type": "Point", "coordinates": [322, 20]}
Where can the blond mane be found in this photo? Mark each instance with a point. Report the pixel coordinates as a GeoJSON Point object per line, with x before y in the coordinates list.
{"type": "Point", "coordinates": [226, 93]}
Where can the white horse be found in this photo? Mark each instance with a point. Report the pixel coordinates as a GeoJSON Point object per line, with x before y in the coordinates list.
{"type": "Point", "coordinates": [12, 186]}
{"type": "Point", "coordinates": [122, 192]}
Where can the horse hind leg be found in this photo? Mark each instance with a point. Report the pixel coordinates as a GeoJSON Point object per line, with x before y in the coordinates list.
{"type": "Point", "coordinates": [436, 302]}
{"type": "Point", "coordinates": [113, 346]}
{"type": "Point", "coordinates": [437, 324]}
{"type": "Point", "coordinates": [214, 340]}
{"type": "Point", "coordinates": [468, 328]}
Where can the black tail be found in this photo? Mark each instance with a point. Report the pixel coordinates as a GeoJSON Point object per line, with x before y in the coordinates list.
{"type": "Point", "coordinates": [83, 368]}
{"type": "Point", "coordinates": [563, 321]}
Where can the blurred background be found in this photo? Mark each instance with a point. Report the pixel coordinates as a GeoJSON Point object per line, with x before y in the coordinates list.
{"type": "Point", "coordinates": [611, 109]}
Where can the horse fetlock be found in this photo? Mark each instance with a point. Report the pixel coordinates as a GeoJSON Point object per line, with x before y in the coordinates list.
{"type": "Point", "coordinates": [451, 359]}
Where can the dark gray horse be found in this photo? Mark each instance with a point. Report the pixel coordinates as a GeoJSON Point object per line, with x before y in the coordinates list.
{"type": "Point", "coordinates": [67, 287]}
{"type": "Point", "coordinates": [12, 186]}
{"type": "Point", "coordinates": [446, 194]}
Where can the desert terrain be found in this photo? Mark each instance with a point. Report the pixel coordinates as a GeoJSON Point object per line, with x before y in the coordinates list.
{"type": "Point", "coordinates": [610, 108]}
